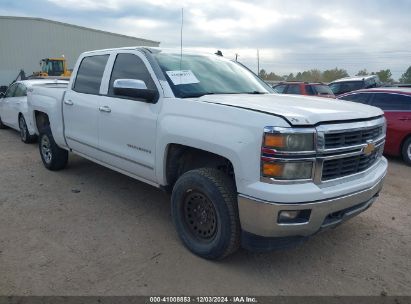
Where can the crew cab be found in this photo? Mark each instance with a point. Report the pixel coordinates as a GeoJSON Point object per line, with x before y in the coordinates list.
{"type": "Point", "coordinates": [245, 166]}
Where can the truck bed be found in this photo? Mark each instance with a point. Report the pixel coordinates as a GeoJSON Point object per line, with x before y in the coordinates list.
{"type": "Point", "coordinates": [48, 98]}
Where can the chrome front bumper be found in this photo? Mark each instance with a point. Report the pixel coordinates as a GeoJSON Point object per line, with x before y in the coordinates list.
{"type": "Point", "coordinates": [260, 217]}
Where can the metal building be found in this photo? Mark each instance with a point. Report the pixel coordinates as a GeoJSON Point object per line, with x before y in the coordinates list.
{"type": "Point", "coordinates": [24, 41]}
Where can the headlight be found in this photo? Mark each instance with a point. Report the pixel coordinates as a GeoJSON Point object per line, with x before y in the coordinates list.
{"type": "Point", "coordinates": [292, 142]}
{"type": "Point", "coordinates": [288, 170]}
{"type": "Point", "coordinates": [288, 154]}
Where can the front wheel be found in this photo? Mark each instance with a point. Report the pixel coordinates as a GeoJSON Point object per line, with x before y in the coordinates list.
{"type": "Point", "coordinates": [2, 125]}
{"type": "Point", "coordinates": [24, 132]}
{"type": "Point", "coordinates": [54, 158]}
{"type": "Point", "coordinates": [205, 212]}
{"type": "Point", "coordinates": [406, 151]}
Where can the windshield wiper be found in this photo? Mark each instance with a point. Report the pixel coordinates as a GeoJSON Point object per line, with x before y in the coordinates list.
{"type": "Point", "coordinates": [193, 95]}
{"type": "Point", "coordinates": [255, 92]}
{"type": "Point", "coordinates": [199, 94]}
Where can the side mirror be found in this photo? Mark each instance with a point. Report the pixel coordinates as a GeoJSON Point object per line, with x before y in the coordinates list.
{"type": "Point", "coordinates": [134, 88]}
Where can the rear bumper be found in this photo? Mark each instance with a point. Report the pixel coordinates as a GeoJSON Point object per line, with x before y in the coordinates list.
{"type": "Point", "coordinates": [260, 218]}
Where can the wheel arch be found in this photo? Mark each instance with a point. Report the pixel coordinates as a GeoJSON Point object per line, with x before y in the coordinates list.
{"type": "Point", "coordinates": [41, 120]}
{"type": "Point", "coordinates": [180, 158]}
{"type": "Point", "coordinates": [18, 118]}
{"type": "Point", "coordinates": [406, 137]}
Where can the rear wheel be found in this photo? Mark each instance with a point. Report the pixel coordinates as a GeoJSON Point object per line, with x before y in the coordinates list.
{"type": "Point", "coordinates": [24, 132]}
{"type": "Point", "coordinates": [205, 213]}
{"type": "Point", "coordinates": [54, 158]}
{"type": "Point", "coordinates": [406, 151]}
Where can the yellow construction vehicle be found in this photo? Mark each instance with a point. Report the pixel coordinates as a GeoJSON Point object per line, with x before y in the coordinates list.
{"type": "Point", "coordinates": [55, 67]}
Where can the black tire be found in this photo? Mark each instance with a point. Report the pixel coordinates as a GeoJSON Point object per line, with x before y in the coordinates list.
{"type": "Point", "coordinates": [406, 151]}
{"type": "Point", "coordinates": [54, 158]}
{"type": "Point", "coordinates": [2, 126]}
{"type": "Point", "coordinates": [24, 132]}
{"type": "Point", "coordinates": [200, 197]}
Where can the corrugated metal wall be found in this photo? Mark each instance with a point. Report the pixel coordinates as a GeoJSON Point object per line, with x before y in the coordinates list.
{"type": "Point", "coordinates": [24, 41]}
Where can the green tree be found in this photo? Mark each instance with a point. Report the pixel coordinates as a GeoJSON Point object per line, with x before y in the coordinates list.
{"type": "Point", "coordinates": [305, 76]}
{"type": "Point", "coordinates": [385, 76]}
{"type": "Point", "coordinates": [299, 76]}
{"type": "Point", "coordinates": [316, 75]}
{"type": "Point", "coordinates": [290, 77]}
{"type": "Point", "coordinates": [406, 77]}
{"type": "Point", "coordinates": [331, 75]}
{"type": "Point", "coordinates": [274, 77]}
{"type": "Point", "coordinates": [263, 74]}
{"type": "Point", "coordinates": [363, 72]}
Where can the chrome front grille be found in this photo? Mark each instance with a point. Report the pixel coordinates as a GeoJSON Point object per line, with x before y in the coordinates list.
{"type": "Point", "coordinates": [348, 149]}
{"type": "Point", "coordinates": [340, 167]}
{"type": "Point", "coordinates": [351, 138]}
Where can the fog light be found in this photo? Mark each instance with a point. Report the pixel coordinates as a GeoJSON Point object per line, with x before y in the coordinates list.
{"type": "Point", "coordinates": [294, 216]}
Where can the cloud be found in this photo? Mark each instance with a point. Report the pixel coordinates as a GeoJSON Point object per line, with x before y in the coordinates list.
{"type": "Point", "coordinates": [341, 33]}
{"type": "Point", "coordinates": [291, 35]}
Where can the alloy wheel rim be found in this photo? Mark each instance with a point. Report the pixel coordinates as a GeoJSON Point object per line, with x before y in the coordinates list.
{"type": "Point", "coordinates": [409, 151]}
{"type": "Point", "coordinates": [200, 216]}
{"type": "Point", "coordinates": [22, 125]}
{"type": "Point", "coordinates": [45, 149]}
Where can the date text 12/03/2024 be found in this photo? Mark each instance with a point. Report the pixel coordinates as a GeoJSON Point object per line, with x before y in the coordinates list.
{"type": "Point", "coordinates": [203, 299]}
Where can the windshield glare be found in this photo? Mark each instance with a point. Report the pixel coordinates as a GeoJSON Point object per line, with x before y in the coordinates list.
{"type": "Point", "coordinates": [323, 90]}
{"type": "Point", "coordinates": [346, 86]}
{"type": "Point", "coordinates": [209, 75]}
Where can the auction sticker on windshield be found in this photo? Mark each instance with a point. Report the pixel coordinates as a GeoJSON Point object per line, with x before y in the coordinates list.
{"type": "Point", "coordinates": [182, 77]}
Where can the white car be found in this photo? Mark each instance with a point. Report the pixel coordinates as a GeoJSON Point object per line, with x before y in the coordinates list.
{"type": "Point", "coordinates": [13, 107]}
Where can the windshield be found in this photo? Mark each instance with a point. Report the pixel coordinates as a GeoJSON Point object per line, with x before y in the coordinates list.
{"type": "Point", "coordinates": [53, 67]}
{"type": "Point", "coordinates": [346, 86]}
{"type": "Point", "coordinates": [199, 75]}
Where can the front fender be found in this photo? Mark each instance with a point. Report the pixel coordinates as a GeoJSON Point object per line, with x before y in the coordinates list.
{"type": "Point", "coordinates": [235, 134]}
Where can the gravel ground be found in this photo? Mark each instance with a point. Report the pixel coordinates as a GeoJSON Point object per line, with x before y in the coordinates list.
{"type": "Point", "coordinates": [88, 230]}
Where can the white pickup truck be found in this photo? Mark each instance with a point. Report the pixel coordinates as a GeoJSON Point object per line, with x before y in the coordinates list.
{"type": "Point", "coordinates": [246, 167]}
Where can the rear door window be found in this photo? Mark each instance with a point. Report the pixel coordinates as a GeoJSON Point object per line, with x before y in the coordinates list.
{"type": "Point", "coordinates": [20, 91]}
{"type": "Point", "coordinates": [293, 89]}
{"type": "Point", "coordinates": [309, 90]}
{"type": "Point", "coordinates": [360, 97]}
{"type": "Point", "coordinates": [280, 88]}
{"type": "Point", "coordinates": [11, 90]}
{"type": "Point", "coordinates": [393, 102]}
{"type": "Point", "coordinates": [90, 73]}
{"type": "Point", "coordinates": [321, 89]}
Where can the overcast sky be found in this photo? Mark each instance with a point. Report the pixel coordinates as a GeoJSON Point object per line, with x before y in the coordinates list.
{"type": "Point", "coordinates": [292, 36]}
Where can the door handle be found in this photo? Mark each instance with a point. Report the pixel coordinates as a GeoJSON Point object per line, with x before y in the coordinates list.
{"type": "Point", "coordinates": [105, 109]}
{"type": "Point", "coordinates": [404, 118]}
{"type": "Point", "coordinates": [68, 102]}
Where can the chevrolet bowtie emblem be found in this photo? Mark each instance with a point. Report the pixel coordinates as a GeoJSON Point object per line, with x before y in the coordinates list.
{"type": "Point", "coordinates": [368, 149]}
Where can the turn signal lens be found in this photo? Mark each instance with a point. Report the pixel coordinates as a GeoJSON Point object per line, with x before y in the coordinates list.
{"type": "Point", "coordinates": [274, 140]}
{"type": "Point", "coordinates": [288, 170]}
{"type": "Point", "coordinates": [273, 169]}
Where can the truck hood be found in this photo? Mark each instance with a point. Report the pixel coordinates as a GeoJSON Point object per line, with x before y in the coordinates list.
{"type": "Point", "coordinates": [297, 109]}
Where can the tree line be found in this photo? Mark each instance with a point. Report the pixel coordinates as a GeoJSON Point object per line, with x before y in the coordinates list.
{"type": "Point", "coordinates": [315, 75]}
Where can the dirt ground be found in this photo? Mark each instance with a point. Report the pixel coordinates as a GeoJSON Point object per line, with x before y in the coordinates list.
{"type": "Point", "coordinates": [88, 230]}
